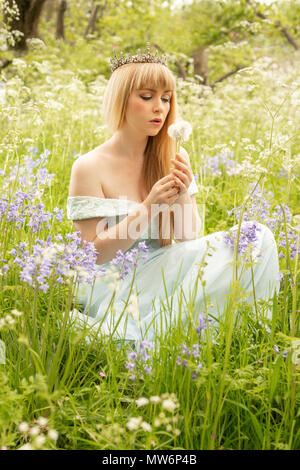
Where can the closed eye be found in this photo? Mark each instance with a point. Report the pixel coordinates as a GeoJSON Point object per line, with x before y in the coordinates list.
{"type": "Point", "coordinates": [166, 100]}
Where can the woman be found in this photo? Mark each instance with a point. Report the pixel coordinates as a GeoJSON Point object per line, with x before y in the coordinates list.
{"type": "Point", "coordinates": [125, 191]}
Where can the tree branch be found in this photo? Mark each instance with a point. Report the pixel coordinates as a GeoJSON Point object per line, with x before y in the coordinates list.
{"type": "Point", "coordinates": [228, 74]}
{"type": "Point", "coordinates": [278, 25]}
{"type": "Point", "coordinates": [181, 70]}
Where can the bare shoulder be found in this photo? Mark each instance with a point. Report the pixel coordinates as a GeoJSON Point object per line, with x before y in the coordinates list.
{"type": "Point", "coordinates": [87, 174]}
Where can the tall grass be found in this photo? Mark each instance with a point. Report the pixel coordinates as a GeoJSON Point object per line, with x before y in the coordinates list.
{"type": "Point", "coordinates": [231, 387]}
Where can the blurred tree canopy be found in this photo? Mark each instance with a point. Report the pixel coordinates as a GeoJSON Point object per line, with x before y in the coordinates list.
{"type": "Point", "coordinates": [206, 40]}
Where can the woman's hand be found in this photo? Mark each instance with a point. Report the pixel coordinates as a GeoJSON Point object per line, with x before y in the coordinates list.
{"type": "Point", "coordinates": [164, 191]}
{"type": "Point", "coordinates": [182, 173]}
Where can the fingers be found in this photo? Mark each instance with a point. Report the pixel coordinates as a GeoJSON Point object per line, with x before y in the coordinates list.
{"type": "Point", "coordinates": [179, 164]}
{"type": "Point", "coordinates": [179, 183]}
{"type": "Point", "coordinates": [182, 176]}
{"type": "Point", "coordinates": [166, 178]}
{"type": "Point", "coordinates": [170, 182]}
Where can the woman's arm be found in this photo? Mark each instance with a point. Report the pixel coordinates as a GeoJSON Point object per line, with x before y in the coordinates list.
{"type": "Point", "coordinates": [107, 241]}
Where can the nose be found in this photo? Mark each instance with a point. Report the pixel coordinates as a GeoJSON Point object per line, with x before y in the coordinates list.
{"type": "Point", "coordinates": [157, 105]}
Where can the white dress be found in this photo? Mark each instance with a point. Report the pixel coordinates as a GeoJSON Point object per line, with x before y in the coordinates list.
{"type": "Point", "coordinates": [166, 286]}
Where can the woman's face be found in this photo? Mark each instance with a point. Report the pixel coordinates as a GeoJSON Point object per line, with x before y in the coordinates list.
{"type": "Point", "coordinates": [147, 104]}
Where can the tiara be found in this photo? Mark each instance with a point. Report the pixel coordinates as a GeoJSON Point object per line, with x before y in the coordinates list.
{"type": "Point", "coordinates": [145, 57]}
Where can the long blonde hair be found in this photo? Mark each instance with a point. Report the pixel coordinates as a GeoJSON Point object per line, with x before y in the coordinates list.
{"type": "Point", "coordinates": [160, 148]}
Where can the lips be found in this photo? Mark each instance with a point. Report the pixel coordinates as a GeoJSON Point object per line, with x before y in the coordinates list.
{"type": "Point", "coordinates": [156, 120]}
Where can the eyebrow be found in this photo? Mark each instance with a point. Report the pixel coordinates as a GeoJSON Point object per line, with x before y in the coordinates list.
{"type": "Point", "coordinates": [150, 89]}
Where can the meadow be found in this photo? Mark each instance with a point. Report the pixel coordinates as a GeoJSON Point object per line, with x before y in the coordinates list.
{"type": "Point", "coordinates": [64, 387]}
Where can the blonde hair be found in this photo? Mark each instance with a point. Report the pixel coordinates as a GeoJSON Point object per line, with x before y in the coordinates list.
{"type": "Point", "coordinates": [160, 148]}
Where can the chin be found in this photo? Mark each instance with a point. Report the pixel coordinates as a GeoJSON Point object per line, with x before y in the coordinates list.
{"type": "Point", "coordinates": [155, 132]}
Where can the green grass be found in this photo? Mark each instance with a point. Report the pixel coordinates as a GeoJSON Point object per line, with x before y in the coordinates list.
{"type": "Point", "coordinates": [246, 395]}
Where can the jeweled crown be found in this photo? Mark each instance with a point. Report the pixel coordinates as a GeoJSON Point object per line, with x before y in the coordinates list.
{"type": "Point", "coordinates": [140, 57]}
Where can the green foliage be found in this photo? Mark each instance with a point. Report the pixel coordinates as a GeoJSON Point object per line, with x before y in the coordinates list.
{"type": "Point", "coordinates": [246, 394]}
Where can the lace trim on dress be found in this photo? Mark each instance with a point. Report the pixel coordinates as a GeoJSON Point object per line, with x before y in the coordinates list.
{"type": "Point", "coordinates": [86, 207]}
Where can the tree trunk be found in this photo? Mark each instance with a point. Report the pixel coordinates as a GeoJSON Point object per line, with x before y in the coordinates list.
{"type": "Point", "coordinates": [181, 70]}
{"type": "Point", "coordinates": [14, 23]}
{"type": "Point", "coordinates": [33, 15]}
{"type": "Point", "coordinates": [60, 27]}
{"type": "Point", "coordinates": [201, 64]}
{"type": "Point", "coordinates": [50, 9]}
{"type": "Point", "coordinates": [92, 20]}
{"type": "Point", "coordinates": [27, 20]}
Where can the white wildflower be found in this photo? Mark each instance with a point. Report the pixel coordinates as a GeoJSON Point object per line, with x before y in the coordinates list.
{"type": "Point", "coordinates": [134, 423]}
{"type": "Point", "coordinates": [42, 421]}
{"type": "Point", "coordinates": [34, 431]}
{"type": "Point", "coordinates": [146, 426]}
{"type": "Point", "coordinates": [49, 252]}
{"type": "Point", "coordinates": [35, 43]}
{"type": "Point", "coordinates": [142, 401]}
{"type": "Point", "coordinates": [26, 447]}
{"type": "Point", "coordinates": [169, 405]}
{"type": "Point", "coordinates": [180, 130]}
{"type": "Point", "coordinates": [9, 320]}
{"type": "Point", "coordinates": [40, 440]}
{"type": "Point", "coordinates": [155, 399]}
{"type": "Point", "coordinates": [23, 427]}
{"type": "Point", "coordinates": [114, 286]}
{"type": "Point", "coordinates": [16, 312]}
{"type": "Point", "coordinates": [133, 307]}
{"type": "Point", "coordinates": [53, 434]}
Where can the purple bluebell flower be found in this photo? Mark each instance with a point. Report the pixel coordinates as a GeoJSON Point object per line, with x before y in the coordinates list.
{"type": "Point", "coordinates": [48, 260]}
{"type": "Point", "coordinates": [145, 344]}
{"type": "Point", "coordinates": [247, 238]}
{"type": "Point", "coordinates": [195, 350]}
{"type": "Point", "coordinates": [130, 365]}
{"type": "Point", "coordinates": [139, 359]}
{"type": "Point", "coordinates": [132, 356]}
{"type": "Point", "coordinates": [192, 352]}
{"type": "Point", "coordinates": [128, 260]}
{"type": "Point", "coordinates": [185, 350]}
{"type": "Point", "coordinates": [219, 163]}
{"type": "Point", "coordinates": [260, 209]}
{"type": "Point", "coordinates": [202, 323]}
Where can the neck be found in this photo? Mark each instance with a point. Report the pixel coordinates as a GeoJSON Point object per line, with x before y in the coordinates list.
{"type": "Point", "coordinates": [128, 144]}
